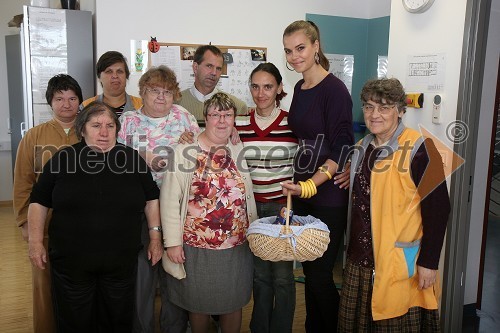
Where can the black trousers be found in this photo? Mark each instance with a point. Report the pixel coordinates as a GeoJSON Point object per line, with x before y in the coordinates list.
{"type": "Point", "coordinates": [321, 295]}
{"type": "Point", "coordinates": [93, 293]}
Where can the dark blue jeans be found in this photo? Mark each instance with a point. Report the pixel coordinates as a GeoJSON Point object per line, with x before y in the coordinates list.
{"type": "Point", "coordinates": [273, 288]}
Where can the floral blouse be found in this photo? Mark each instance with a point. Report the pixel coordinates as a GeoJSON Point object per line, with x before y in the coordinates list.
{"type": "Point", "coordinates": [216, 217]}
{"type": "Point", "coordinates": [159, 137]}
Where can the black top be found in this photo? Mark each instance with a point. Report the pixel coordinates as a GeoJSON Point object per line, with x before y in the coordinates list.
{"type": "Point", "coordinates": [97, 199]}
{"type": "Point", "coordinates": [321, 117]}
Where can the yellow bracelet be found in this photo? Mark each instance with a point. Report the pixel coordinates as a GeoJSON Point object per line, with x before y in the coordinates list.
{"type": "Point", "coordinates": [312, 186]}
{"type": "Point", "coordinates": [324, 169]}
{"type": "Point", "coordinates": [308, 189]}
{"type": "Point", "coordinates": [302, 190]}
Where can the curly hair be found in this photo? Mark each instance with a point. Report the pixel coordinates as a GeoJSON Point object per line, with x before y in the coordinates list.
{"type": "Point", "coordinates": [162, 77]}
{"type": "Point", "coordinates": [389, 91]}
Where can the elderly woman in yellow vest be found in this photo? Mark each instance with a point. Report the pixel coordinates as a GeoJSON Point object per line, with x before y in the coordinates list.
{"type": "Point", "coordinates": [398, 213]}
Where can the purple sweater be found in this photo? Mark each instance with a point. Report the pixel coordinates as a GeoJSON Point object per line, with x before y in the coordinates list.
{"type": "Point", "coordinates": [321, 117]}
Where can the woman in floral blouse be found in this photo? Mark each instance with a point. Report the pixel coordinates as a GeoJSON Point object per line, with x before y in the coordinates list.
{"type": "Point", "coordinates": [154, 130]}
{"type": "Point", "coordinates": [207, 204]}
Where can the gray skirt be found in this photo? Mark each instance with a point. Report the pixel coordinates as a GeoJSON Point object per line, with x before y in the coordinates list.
{"type": "Point", "coordinates": [217, 281]}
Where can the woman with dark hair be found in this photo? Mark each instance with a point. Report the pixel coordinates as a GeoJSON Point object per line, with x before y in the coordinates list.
{"type": "Point", "coordinates": [399, 211]}
{"type": "Point", "coordinates": [270, 147]}
{"type": "Point", "coordinates": [321, 117]}
{"type": "Point", "coordinates": [94, 233]}
{"type": "Point", "coordinates": [38, 145]}
{"type": "Point", "coordinates": [113, 73]}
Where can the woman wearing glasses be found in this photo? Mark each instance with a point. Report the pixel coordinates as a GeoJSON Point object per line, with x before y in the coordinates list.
{"type": "Point", "coordinates": [207, 204]}
{"type": "Point", "coordinates": [399, 211]}
{"type": "Point", "coordinates": [154, 130]}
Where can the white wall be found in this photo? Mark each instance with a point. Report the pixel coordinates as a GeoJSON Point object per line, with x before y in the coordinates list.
{"type": "Point", "coordinates": [437, 30]}
{"type": "Point", "coordinates": [379, 8]}
{"type": "Point", "coordinates": [483, 154]}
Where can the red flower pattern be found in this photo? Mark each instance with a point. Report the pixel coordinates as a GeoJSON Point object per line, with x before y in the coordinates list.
{"type": "Point", "coordinates": [216, 216]}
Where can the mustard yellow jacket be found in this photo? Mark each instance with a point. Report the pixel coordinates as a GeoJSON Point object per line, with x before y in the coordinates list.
{"type": "Point", "coordinates": [37, 146]}
{"type": "Point", "coordinates": [396, 227]}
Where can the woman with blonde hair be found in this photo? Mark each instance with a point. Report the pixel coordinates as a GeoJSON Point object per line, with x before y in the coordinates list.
{"type": "Point", "coordinates": [321, 117]}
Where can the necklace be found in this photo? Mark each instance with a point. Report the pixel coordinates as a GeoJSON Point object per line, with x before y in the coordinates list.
{"type": "Point", "coordinates": [272, 115]}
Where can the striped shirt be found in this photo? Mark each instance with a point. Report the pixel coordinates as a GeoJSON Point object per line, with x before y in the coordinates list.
{"type": "Point", "coordinates": [269, 154]}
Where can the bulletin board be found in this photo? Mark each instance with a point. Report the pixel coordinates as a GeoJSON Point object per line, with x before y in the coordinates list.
{"type": "Point", "coordinates": [235, 74]}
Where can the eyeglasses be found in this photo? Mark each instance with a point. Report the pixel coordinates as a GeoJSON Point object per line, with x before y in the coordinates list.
{"type": "Point", "coordinates": [219, 116]}
{"type": "Point", "coordinates": [382, 109]}
{"type": "Point", "coordinates": [157, 92]}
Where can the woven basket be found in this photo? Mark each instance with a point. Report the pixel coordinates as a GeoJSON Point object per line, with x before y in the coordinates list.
{"type": "Point", "coordinates": [276, 242]}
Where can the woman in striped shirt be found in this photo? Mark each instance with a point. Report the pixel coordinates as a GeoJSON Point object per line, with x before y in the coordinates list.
{"type": "Point", "coordinates": [269, 149]}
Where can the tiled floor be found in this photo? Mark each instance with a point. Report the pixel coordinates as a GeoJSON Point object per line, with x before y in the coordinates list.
{"type": "Point", "coordinates": [488, 318]}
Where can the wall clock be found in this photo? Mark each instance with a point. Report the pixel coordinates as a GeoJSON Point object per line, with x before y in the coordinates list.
{"type": "Point", "coordinates": [417, 6]}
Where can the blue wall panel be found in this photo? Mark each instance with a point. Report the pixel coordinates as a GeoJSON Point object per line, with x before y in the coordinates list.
{"type": "Point", "coordinates": [366, 39]}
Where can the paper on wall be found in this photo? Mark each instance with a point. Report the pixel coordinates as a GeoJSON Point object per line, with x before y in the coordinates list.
{"type": "Point", "coordinates": [48, 32]}
{"type": "Point", "coordinates": [426, 72]}
{"type": "Point", "coordinates": [186, 79]}
{"type": "Point", "coordinates": [41, 113]}
{"type": "Point", "coordinates": [382, 67]}
{"type": "Point", "coordinates": [170, 57]}
{"type": "Point", "coordinates": [238, 73]}
{"type": "Point", "coordinates": [342, 66]}
{"type": "Point", "coordinates": [42, 70]}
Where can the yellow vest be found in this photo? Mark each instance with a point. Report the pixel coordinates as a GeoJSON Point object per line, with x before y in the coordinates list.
{"type": "Point", "coordinates": [397, 230]}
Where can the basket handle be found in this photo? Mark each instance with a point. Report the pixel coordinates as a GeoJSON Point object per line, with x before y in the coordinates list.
{"type": "Point", "coordinates": [288, 206]}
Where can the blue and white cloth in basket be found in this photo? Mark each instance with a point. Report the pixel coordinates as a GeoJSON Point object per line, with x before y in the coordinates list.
{"type": "Point", "coordinates": [265, 226]}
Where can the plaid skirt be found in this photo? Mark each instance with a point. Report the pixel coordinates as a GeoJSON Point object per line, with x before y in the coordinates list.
{"type": "Point", "coordinates": [355, 314]}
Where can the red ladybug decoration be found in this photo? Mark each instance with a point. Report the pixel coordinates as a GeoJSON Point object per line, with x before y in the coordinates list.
{"type": "Point", "coordinates": [153, 45]}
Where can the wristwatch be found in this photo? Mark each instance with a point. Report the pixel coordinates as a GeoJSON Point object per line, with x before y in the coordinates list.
{"type": "Point", "coordinates": [324, 169]}
{"type": "Point", "coordinates": [158, 228]}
